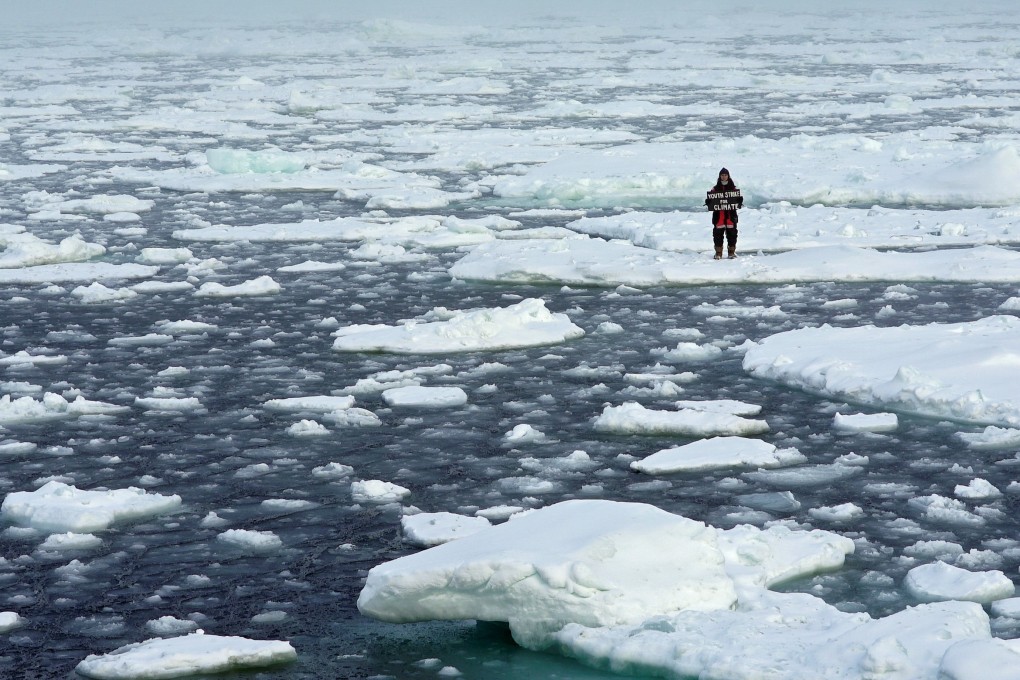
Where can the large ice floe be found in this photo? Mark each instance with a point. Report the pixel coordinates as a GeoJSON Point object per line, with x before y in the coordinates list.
{"type": "Point", "coordinates": [595, 262]}
{"type": "Point", "coordinates": [178, 657]}
{"type": "Point", "coordinates": [964, 371]}
{"type": "Point", "coordinates": [525, 324]}
{"type": "Point", "coordinates": [636, 589]}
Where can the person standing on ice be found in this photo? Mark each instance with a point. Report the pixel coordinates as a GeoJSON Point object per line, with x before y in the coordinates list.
{"type": "Point", "coordinates": [724, 222]}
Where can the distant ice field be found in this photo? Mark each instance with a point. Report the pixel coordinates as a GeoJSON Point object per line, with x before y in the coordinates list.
{"type": "Point", "coordinates": [319, 275]}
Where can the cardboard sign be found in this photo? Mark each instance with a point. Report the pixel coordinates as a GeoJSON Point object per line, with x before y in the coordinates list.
{"type": "Point", "coordinates": [724, 200]}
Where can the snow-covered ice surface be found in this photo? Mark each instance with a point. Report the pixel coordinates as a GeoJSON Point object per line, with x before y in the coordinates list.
{"type": "Point", "coordinates": [197, 206]}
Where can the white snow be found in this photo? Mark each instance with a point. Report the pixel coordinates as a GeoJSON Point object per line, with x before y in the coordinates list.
{"type": "Point", "coordinates": [186, 655]}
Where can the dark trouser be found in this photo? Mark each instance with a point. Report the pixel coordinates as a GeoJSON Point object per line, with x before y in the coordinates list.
{"type": "Point", "coordinates": [730, 233]}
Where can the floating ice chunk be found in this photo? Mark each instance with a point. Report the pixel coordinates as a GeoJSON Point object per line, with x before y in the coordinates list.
{"type": "Point", "coordinates": [96, 293]}
{"type": "Point", "coordinates": [1009, 607]}
{"type": "Point", "coordinates": [27, 250]}
{"type": "Point", "coordinates": [70, 541]}
{"type": "Point", "coordinates": [574, 561]}
{"type": "Point", "coordinates": [332, 471]}
{"type": "Point", "coordinates": [865, 422]}
{"type": "Point", "coordinates": [313, 266]}
{"type": "Point", "coordinates": [165, 255]}
{"type": "Point", "coordinates": [633, 418]}
{"type": "Point", "coordinates": [715, 453]}
{"type": "Point", "coordinates": [315, 404]}
{"type": "Point", "coordinates": [263, 285]}
{"type": "Point", "coordinates": [498, 513]}
{"type": "Point", "coordinates": [186, 655]}
{"type": "Point", "coordinates": [593, 262]}
{"type": "Point", "coordinates": [1011, 305]}
{"type": "Point", "coordinates": [287, 504]}
{"type": "Point", "coordinates": [977, 489]}
{"type": "Point", "coordinates": [524, 434]}
{"type": "Point", "coordinates": [269, 617]}
{"type": "Point", "coordinates": [170, 404]}
{"type": "Point", "coordinates": [609, 328]}
{"type": "Point", "coordinates": [57, 507]}
{"type": "Point", "coordinates": [238, 161]}
{"type": "Point", "coordinates": [991, 659]}
{"type": "Point", "coordinates": [576, 461]}
{"type": "Point", "coordinates": [946, 510]}
{"type": "Point", "coordinates": [125, 218]}
{"type": "Point", "coordinates": [389, 254]}
{"type": "Point", "coordinates": [52, 406]}
{"type": "Point", "coordinates": [174, 372]}
{"type": "Point", "coordinates": [434, 528]}
{"type": "Point", "coordinates": [939, 581]}
{"type": "Point", "coordinates": [185, 327]}
{"type": "Point", "coordinates": [12, 448]}
{"type": "Point", "coordinates": [147, 340]}
{"type": "Point", "coordinates": [23, 358]}
{"type": "Point", "coordinates": [991, 437]}
{"type": "Point", "coordinates": [641, 378]}
{"type": "Point", "coordinates": [249, 539]}
{"type": "Point", "coordinates": [9, 621]}
{"type": "Point", "coordinates": [77, 271]}
{"type": "Point", "coordinates": [168, 626]}
{"type": "Point", "coordinates": [689, 351]}
{"type": "Point", "coordinates": [377, 491]}
{"type": "Point", "coordinates": [800, 636]}
{"type": "Point", "coordinates": [731, 406]}
{"type": "Point", "coordinates": [844, 512]}
{"type": "Point", "coordinates": [944, 551]}
{"type": "Point", "coordinates": [591, 562]}
{"type": "Point", "coordinates": [213, 521]}
{"type": "Point", "coordinates": [525, 324]}
{"type": "Point", "coordinates": [731, 308]}
{"type": "Point", "coordinates": [155, 287]}
{"type": "Point", "coordinates": [964, 371]}
{"type": "Point", "coordinates": [415, 198]}
{"type": "Point", "coordinates": [804, 476]}
{"type": "Point", "coordinates": [307, 428]}
{"type": "Point", "coordinates": [425, 397]}
{"type": "Point", "coordinates": [103, 205]}
{"type": "Point", "coordinates": [353, 417]}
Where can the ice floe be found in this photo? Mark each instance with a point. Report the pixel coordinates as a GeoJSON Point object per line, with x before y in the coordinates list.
{"type": "Point", "coordinates": [56, 507]}
{"type": "Point", "coordinates": [191, 654]}
{"type": "Point", "coordinates": [964, 371]}
{"type": "Point", "coordinates": [524, 324]}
